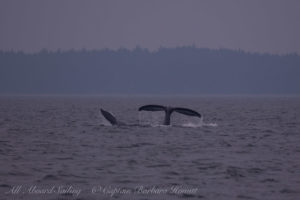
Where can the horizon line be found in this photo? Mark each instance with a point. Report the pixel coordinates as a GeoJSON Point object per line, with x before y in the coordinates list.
{"type": "Point", "coordinates": [138, 47]}
{"type": "Point", "coordinates": [152, 94]}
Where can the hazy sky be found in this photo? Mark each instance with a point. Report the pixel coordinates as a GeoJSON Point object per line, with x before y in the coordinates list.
{"type": "Point", "coordinates": [254, 25]}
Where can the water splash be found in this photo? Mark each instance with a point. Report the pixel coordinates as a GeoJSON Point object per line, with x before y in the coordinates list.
{"type": "Point", "coordinates": [155, 120]}
{"type": "Point", "coordinates": [195, 125]}
{"type": "Point", "coordinates": [150, 118]}
{"type": "Point", "coordinates": [199, 123]}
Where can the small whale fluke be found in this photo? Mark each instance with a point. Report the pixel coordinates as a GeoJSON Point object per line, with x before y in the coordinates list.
{"type": "Point", "coordinates": [169, 111]}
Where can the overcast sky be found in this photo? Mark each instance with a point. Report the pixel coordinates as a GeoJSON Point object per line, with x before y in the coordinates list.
{"type": "Point", "coordinates": [271, 26]}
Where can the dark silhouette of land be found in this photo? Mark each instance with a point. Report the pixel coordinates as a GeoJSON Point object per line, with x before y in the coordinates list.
{"type": "Point", "coordinates": [182, 70]}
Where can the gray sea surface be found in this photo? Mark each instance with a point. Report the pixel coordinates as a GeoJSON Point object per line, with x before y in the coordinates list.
{"type": "Point", "coordinates": [60, 147]}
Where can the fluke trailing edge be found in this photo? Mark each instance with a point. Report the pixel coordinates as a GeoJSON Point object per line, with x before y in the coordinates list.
{"type": "Point", "coordinates": [168, 112]}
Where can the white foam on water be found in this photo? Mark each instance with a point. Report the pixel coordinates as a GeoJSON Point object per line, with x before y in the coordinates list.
{"type": "Point", "coordinates": [199, 123]}
{"type": "Point", "coordinates": [193, 125]}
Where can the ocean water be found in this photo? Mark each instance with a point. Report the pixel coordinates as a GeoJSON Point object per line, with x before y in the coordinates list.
{"type": "Point", "coordinates": [60, 147]}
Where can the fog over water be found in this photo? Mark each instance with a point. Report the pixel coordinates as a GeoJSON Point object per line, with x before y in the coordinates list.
{"type": "Point", "coordinates": [269, 26]}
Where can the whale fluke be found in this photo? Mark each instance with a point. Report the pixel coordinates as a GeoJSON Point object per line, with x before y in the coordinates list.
{"type": "Point", "coordinates": [169, 111]}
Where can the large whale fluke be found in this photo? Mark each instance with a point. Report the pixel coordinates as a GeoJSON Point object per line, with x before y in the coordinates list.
{"type": "Point", "coordinates": [109, 117]}
{"type": "Point", "coordinates": [169, 111]}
